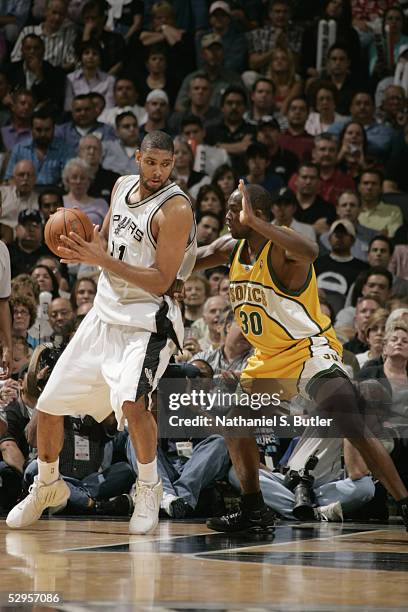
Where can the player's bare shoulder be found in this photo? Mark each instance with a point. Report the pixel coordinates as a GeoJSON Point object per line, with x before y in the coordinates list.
{"type": "Point", "coordinates": [175, 215]}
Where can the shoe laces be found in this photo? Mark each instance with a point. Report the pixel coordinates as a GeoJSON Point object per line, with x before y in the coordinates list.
{"type": "Point", "coordinates": [145, 497]}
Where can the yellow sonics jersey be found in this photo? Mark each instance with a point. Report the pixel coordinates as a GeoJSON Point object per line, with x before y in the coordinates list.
{"type": "Point", "coordinates": [276, 320]}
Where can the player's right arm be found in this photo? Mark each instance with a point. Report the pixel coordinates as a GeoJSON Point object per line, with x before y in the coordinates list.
{"type": "Point", "coordinates": [217, 253]}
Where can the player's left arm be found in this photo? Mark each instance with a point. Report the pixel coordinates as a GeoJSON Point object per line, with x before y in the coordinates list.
{"type": "Point", "coordinates": [173, 223]}
{"type": "Point", "coordinates": [295, 246]}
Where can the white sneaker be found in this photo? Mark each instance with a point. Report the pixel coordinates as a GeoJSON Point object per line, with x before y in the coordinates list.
{"type": "Point", "coordinates": [332, 513]}
{"type": "Point", "coordinates": [147, 500]}
{"type": "Point", "coordinates": [40, 497]}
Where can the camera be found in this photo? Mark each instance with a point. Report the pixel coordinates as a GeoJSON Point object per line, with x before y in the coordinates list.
{"type": "Point", "coordinates": [301, 483]}
{"type": "Point", "coordinates": [44, 356]}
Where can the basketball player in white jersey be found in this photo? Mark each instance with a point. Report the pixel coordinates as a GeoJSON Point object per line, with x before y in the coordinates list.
{"type": "Point", "coordinates": [124, 344]}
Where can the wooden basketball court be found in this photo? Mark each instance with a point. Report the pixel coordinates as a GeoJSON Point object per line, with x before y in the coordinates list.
{"type": "Point", "coordinates": [96, 565]}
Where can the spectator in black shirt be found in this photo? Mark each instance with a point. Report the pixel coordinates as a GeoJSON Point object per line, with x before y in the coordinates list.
{"type": "Point", "coordinates": [113, 46]}
{"type": "Point", "coordinates": [312, 208]}
{"type": "Point", "coordinates": [337, 71]}
{"type": "Point", "coordinates": [365, 308]}
{"type": "Point", "coordinates": [233, 133]}
{"type": "Point", "coordinates": [282, 162]}
{"type": "Point", "coordinates": [28, 245]}
{"type": "Point", "coordinates": [46, 82]}
{"type": "Point", "coordinates": [337, 270]}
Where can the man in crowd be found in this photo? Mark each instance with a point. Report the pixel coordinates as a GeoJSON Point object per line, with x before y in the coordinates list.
{"type": "Point", "coordinates": [17, 197]}
{"type": "Point", "coordinates": [233, 133]}
{"type": "Point", "coordinates": [278, 31]}
{"type": "Point", "coordinates": [337, 270]}
{"type": "Point", "coordinates": [258, 168]}
{"type": "Point", "coordinates": [233, 40]}
{"type": "Point", "coordinates": [282, 162]}
{"type": "Point", "coordinates": [125, 95]}
{"type": "Point", "coordinates": [213, 65]}
{"type": "Point", "coordinates": [157, 108]}
{"type": "Point", "coordinates": [349, 207]}
{"type": "Point", "coordinates": [34, 73]}
{"type": "Point", "coordinates": [58, 37]}
{"type": "Point", "coordinates": [262, 101]}
{"type": "Point", "coordinates": [19, 127]}
{"type": "Point", "coordinates": [47, 153]}
{"type": "Point", "coordinates": [284, 208]}
{"type": "Point", "coordinates": [90, 150]}
{"type": "Point", "coordinates": [365, 308]}
{"type": "Point", "coordinates": [208, 228]}
{"type": "Point", "coordinates": [199, 104]}
{"type": "Point", "coordinates": [28, 245]}
{"type": "Point", "coordinates": [312, 208]}
{"type": "Point", "coordinates": [83, 122]}
{"type": "Point", "coordinates": [49, 200]}
{"type": "Point", "coordinates": [206, 158]}
{"type": "Point", "coordinates": [119, 154]}
{"type": "Point", "coordinates": [295, 138]}
{"type": "Point", "coordinates": [375, 214]}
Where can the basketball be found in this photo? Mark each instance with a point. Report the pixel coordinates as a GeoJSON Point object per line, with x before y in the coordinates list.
{"type": "Point", "coordinates": [64, 221]}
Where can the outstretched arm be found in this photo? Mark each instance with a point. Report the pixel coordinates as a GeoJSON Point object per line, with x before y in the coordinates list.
{"type": "Point", "coordinates": [297, 247]}
{"type": "Point", "coordinates": [174, 221]}
{"type": "Point", "coordinates": [215, 254]}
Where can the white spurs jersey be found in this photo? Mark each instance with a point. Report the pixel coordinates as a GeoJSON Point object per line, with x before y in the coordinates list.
{"type": "Point", "coordinates": [131, 240]}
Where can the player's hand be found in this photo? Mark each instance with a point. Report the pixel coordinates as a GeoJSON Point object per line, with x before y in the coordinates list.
{"type": "Point", "coordinates": [78, 250]}
{"type": "Point", "coordinates": [246, 215]}
{"type": "Point", "coordinates": [176, 291]}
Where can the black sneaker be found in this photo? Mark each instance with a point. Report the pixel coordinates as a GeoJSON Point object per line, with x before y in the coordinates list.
{"type": "Point", "coordinates": [122, 505]}
{"type": "Point", "coordinates": [255, 521]}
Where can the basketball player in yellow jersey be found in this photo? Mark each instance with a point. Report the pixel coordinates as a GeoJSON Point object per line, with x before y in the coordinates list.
{"type": "Point", "coordinates": [274, 296]}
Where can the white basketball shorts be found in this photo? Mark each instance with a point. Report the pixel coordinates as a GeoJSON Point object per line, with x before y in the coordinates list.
{"type": "Point", "coordinates": [103, 366]}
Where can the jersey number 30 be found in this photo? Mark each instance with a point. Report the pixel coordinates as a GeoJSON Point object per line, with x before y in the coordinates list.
{"type": "Point", "coordinates": [251, 322]}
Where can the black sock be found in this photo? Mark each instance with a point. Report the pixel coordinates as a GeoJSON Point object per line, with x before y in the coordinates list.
{"type": "Point", "coordinates": [253, 501]}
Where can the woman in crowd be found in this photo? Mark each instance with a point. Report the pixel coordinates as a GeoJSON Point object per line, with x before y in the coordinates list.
{"type": "Point", "coordinates": [374, 334]}
{"type": "Point", "coordinates": [282, 72]}
{"type": "Point", "coordinates": [352, 155]}
{"type": "Point", "coordinates": [83, 292]}
{"type": "Point", "coordinates": [324, 105]}
{"type": "Point", "coordinates": [77, 177]}
{"type": "Point", "coordinates": [23, 316]}
{"type": "Point", "coordinates": [392, 372]}
{"type": "Point", "coordinates": [183, 168]}
{"type": "Point", "coordinates": [210, 198]}
{"type": "Point", "coordinates": [226, 179]}
{"type": "Point", "coordinates": [394, 20]}
{"type": "Point", "coordinates": [89, 77]}
{"type": "Point", "coordinates": [46, 279]}
{"type": "Point", "coordinates": [196, 291]}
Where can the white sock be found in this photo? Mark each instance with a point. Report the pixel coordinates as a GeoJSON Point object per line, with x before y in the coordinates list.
{"type": "Point", "coordinates": [48, 472]}
{"type": "Point", "coordinates": [148, 472]}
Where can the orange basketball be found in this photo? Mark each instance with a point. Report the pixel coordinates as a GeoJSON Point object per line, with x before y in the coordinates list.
{"type": "Point", "coordinates": [64, 221]}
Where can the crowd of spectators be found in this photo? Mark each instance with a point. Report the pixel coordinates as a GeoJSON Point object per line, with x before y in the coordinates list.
{"type": "Point", "coordinates": [236, 83]}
